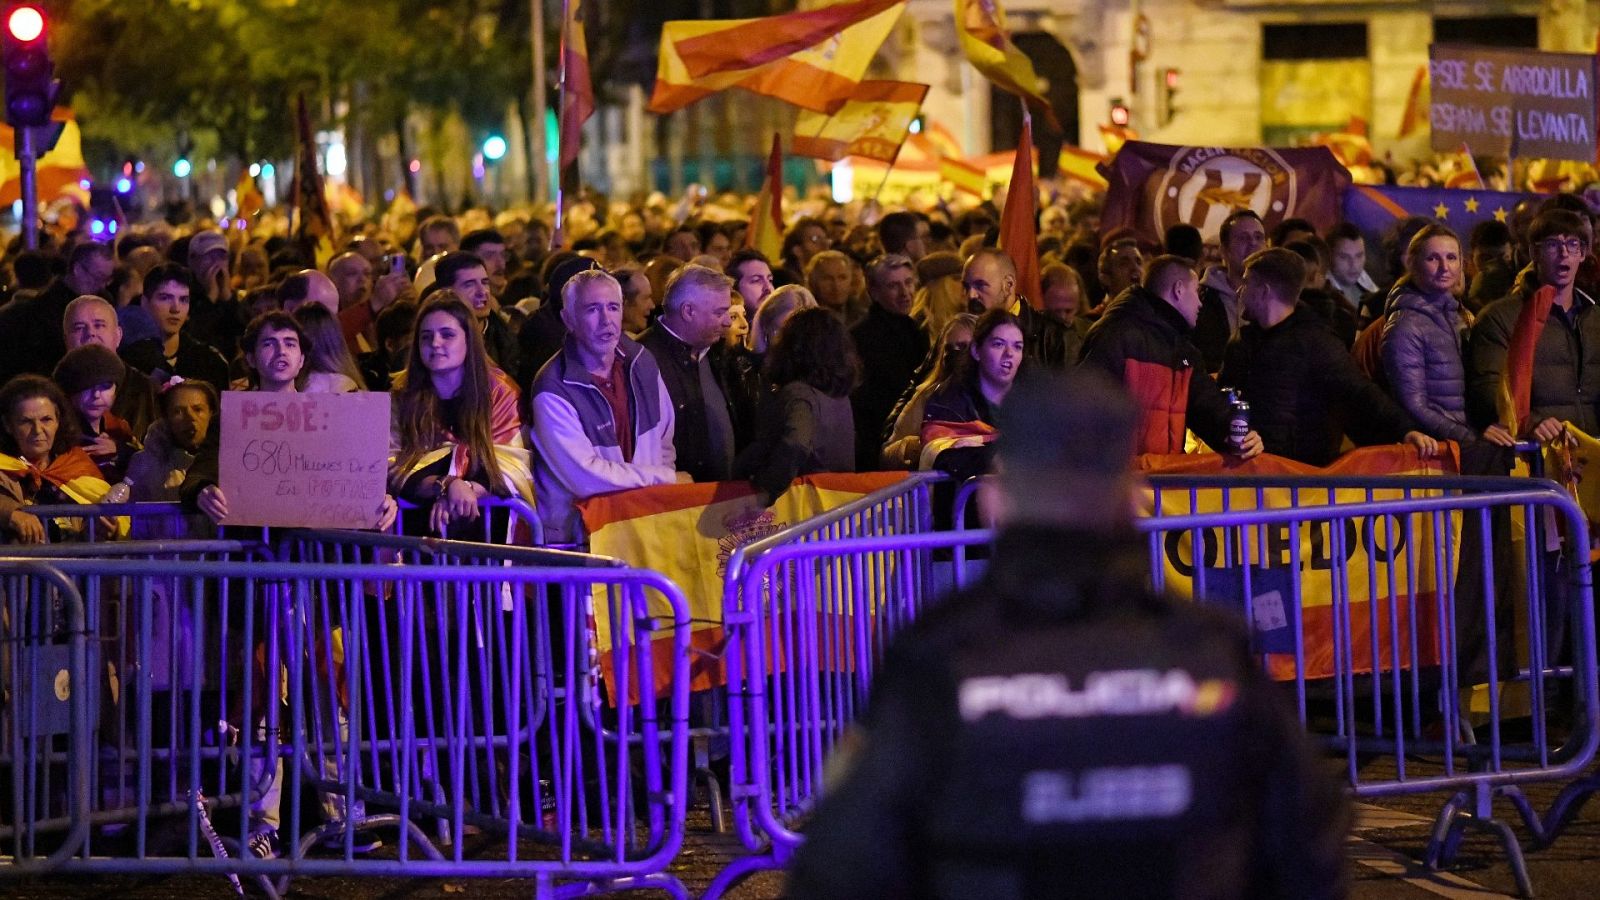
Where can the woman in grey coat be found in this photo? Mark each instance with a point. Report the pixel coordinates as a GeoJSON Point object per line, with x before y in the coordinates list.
{"type": "Point", "coordinates": [1422, 340]}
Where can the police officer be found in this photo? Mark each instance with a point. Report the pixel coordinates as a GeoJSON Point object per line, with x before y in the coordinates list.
{"type": "Point", "coordinates": [1057, 729]}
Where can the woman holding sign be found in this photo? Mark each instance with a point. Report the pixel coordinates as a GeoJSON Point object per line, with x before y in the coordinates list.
{"type": "Point", "coordinates": [457, 435]}
{"type": "Point", "coordinates": [40, 460]}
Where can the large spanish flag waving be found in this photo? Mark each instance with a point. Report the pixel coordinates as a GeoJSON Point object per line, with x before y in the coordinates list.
{"type": "Point", "coordinates": [688, 531]}
{"type": "Point", "coordinates": [813, 59]}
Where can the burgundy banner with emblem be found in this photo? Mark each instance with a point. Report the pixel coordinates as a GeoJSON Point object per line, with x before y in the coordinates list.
{"type": "Point", "coordinates": [1155, 186]}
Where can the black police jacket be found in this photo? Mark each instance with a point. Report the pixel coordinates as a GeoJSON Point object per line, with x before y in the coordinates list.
{"type": "Point", "coordinates": [1059, 731]}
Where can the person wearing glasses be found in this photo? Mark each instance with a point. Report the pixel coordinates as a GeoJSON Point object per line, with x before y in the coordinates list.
{"type": "Point", "coordinates": [1551, 308]}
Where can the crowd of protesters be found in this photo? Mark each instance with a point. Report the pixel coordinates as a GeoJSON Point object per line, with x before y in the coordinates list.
{"type": "Point", "coordinates": [654, 347]}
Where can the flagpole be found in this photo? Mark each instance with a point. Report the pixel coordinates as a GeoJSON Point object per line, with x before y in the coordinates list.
{"type": "Point", "coordinates": [885, 179]}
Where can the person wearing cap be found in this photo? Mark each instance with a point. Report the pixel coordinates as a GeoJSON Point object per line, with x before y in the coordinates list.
{"type": "Point", "coordinates": [30, 336]}
{"type": "Point", "coordinates": [93, 321]}
{"type": "Point", "coordinates": [214, 307]}
{"type": "Point", "coordinates": [89, 376]}
{"type": "Point", "coordinates": [1058, 727]}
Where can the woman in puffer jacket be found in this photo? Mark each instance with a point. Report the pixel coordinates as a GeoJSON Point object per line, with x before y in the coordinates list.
{"type": "Point", "coordinates": [1422, 340]}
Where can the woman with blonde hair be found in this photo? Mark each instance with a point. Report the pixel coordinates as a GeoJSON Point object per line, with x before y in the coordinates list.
{"type": "Point", "coordinates": [457, 433]}
{"type": "Point", "coordinates": [937, 302]}
{"type": "Point", "coordinates": [774, 311]}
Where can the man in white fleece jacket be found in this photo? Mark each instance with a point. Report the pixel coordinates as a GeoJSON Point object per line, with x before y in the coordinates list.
{"type": "Point", "coordinates": [601, 417]}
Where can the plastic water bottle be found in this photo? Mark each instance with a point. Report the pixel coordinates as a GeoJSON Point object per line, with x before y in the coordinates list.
{"type": "Point", "coordinates": [119, 493]}
{"type": "Point", "coordinates": [1238, 420]}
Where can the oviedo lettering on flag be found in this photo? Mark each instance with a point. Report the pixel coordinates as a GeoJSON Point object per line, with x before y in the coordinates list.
{"type": "Point", "coordinates": [687, 532]}
{"type": "Point", "coordinates": [812, 59]}
{"type": "Point", "coordinates": [873, 123]}
{"type": "Point", "coordinates": [1155, 186]}
{"type": "Point", "coordinates": [1290, 573]}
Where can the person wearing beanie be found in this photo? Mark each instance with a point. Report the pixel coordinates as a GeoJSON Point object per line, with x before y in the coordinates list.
{"type": "Point", "coordinates": [543, 334]}
{"type": "Point", "coordinates": [90, 376]}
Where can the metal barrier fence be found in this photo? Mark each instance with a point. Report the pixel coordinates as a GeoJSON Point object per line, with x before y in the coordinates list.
{"type": "Point", "coordinates": [448, 698]}
{"type": "Point", "coordinates": [504, 520]}
{"type": "Point", "coordinates": [1405, 603]}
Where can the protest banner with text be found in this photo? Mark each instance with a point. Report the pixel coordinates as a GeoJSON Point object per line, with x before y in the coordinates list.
{"type": "Point", "coordinates": [304, 460]}
{"type": "Point", "coordinates": [1513, 102]}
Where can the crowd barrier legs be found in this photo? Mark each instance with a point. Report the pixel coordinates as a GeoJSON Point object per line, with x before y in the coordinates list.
{"type": "Point", "coordinates": [456, 700]}
{"type": "Point", "coordinates": [1433, 635]}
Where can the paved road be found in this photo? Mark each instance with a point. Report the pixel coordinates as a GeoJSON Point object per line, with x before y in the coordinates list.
{"type": "Point", "coordinates": [1387, 841]}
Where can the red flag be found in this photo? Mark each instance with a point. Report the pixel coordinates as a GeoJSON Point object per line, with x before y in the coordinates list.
{"type": "Point", "coordinates": [766, 222]}
{"type": "Point", "coordinates": [1413, 115]}
{"type": "Point", "coordinates": [577, 92]}
{"type": "Point", "coordinates": [1018, 237]}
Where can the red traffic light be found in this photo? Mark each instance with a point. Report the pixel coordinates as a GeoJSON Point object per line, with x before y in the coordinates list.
{"type": "Point", "coordinates": [25, 23]}
{"type": "Point", "coordinates": [1119, 114]}
{"type": "Point", "coordinates": [1173, 78]}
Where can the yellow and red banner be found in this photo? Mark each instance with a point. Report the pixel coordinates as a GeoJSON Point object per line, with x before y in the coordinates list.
{"type": "Point", "coordinates": [813, 59]}
{"type": "Point", "coordinates": [1078, 164]}
{"type": "Point", "coordinates": [873, 123]}
{"type": "Point", "coordinates": [687, 532]}
{"type": "Point", "coordinates": [963, 176]}
{"type": "Point", "coordinates": [1019, 235]}
{"type": "Point", "coordinates": [59, 171]}
{"type": "Point", "coordinates": [1385, 566]}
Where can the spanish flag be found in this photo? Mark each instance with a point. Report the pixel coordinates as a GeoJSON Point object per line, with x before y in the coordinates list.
{"type": "Point", "coordinates": [1416, 110]}
{"type": "Point", "coordinates": [1019, 233]}
{"type": "Point", "coordinates": [766, 222]}
{"type": "Point", "coordinates": [313, 223]}
{"type": "Point", "coordinates": [1114, 136]}
{"type": "Point", "coordinates": [873, 123]}
{"type": "Point", "coordinates": [1465, 177]}
{"type": "Point", "coordinates": [73, 473]}
{"type": "Point", "coordinates": [1078, 164]}
{"type": "Point", "coordinates": [963, 175]}
{"type": "Point", "coordinates": [981, 28]}
{"type": "Point", "coordinates": [247, 199]}
{"type": "Point", "coordinates": [687, 532]}
{"type": "Point", "coordinates": [59, 170]}
{"type": "Point", "coordinates": [577, 91]}
{"type": "Point", "coordinates": [813, 59]}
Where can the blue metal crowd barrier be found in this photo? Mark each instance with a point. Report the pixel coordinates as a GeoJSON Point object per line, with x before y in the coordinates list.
{"type": "Point", "coordinates": [504, 520]}
{"type": "Point", "coordinates": [808, 624]}
{"type": "Point", "coordinates": [449, 690]}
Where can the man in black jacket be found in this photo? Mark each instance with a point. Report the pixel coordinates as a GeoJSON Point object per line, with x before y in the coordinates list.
{"type": "Point", "coordinates": [31, 339]}
{"type": "Point", "coordinates": [694, 317]}
{"type": "Point", "coordinates": [1143, 343]}
{"type": "Point", "coordinates": [1057, 728]}
{"type": "Point", "coordinates": [1305, 390]}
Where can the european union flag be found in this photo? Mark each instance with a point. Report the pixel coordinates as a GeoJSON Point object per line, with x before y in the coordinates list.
{"type": "Point", "coordinates": [1375, 208]}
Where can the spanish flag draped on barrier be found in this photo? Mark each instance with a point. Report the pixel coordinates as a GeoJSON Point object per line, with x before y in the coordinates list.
{"type": "Point", "coordinates": [1273, 583]}
{"type": "Point", "coordinates": [73, 473]}
{"type": "Point", "coordinates": [687, 532]}
{"type": "Point", "coordinates": [813, 59]}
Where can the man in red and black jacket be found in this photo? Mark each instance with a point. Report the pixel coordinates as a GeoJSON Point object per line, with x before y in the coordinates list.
{"type": "Point", "coordinates": [1144, 342]}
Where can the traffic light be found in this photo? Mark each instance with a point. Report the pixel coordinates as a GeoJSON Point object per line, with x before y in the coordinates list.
{"type": "Point", "coordinates": [30, 83]}
{"type": "Point", "coordinates": [1120, 115]}
{"type": "Point", "coordinates": [1171, 80]}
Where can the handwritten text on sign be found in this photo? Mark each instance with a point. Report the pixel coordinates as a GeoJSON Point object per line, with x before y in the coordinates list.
{"type": "Point", "coordinates": [1513, 102]}
{"type": "Point", "coordinates": [308, 460]}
